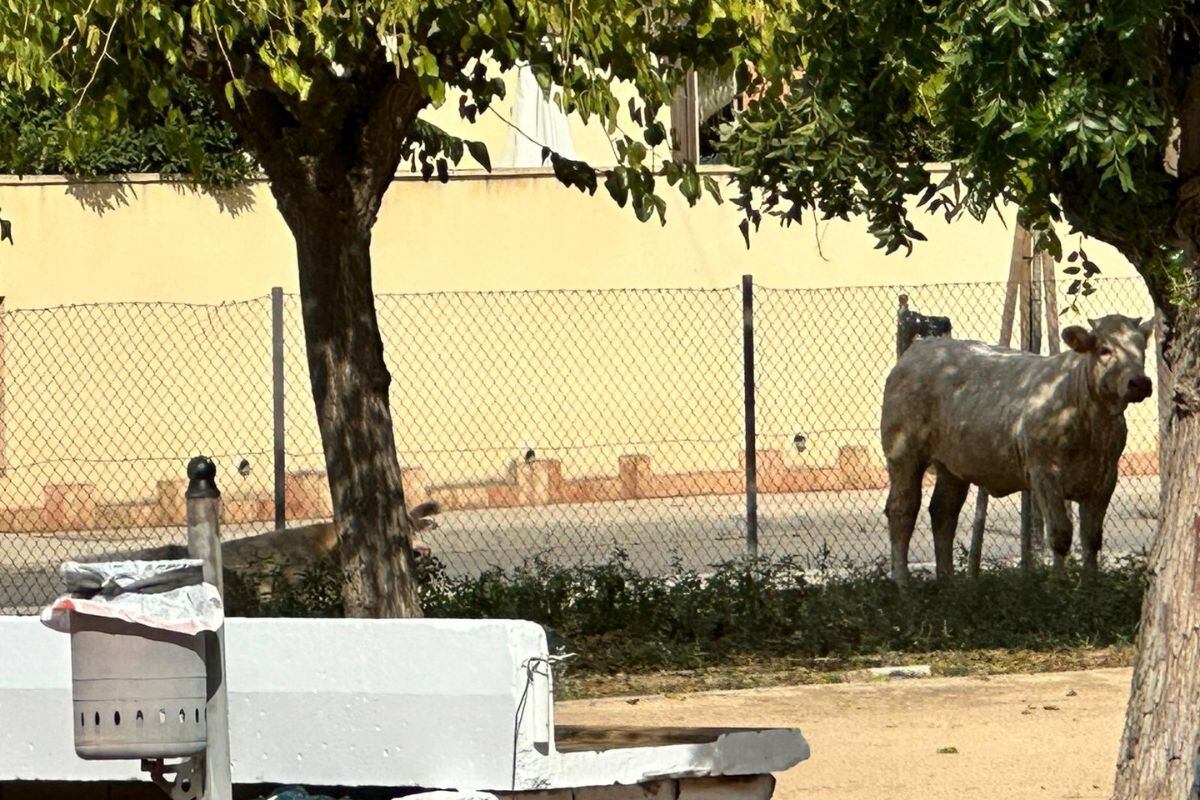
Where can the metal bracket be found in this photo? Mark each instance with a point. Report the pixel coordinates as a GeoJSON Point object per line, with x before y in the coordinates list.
{"type": "Point", "coordinates": [189, 777]}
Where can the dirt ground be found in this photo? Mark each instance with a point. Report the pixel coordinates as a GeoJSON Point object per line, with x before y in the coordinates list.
{"type": "Point", "coordinates": [1016, 736]}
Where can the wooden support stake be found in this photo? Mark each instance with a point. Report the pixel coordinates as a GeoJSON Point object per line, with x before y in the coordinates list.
{"type": "Point", "coordinates": [1020, 253]}
{"type": "Point", "coordinates": [1033, 536]}
{"type": "Point", "coordinates": [1053, 335]}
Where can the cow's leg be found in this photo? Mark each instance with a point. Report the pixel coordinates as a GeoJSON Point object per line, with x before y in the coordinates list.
{"type": "Point", "coordinates": [949, 494]}
{"type": "Point", "coordinates": [1091, 528]}
{"type": "Point", "coordinates": [903, 504]}
{"type": "Point", "coordinates": [1049, 497]}
{"type": "Point", "coordinates": [1091, 535]}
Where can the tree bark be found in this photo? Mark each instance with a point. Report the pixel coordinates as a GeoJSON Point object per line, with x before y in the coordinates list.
{"type": "Point", "coordinates": [330, 157]}
{"type": "Point", "coordinates": [1158, 756]}
{"type": "Point", "coordinates": [350, 392]}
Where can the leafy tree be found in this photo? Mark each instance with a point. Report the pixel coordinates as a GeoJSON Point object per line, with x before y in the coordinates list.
{"type": "Point", "coordinates": [1087, 112]}
{"type": "Point", "coordinates": [324, 95]}
{"type": "Point", "coordinates": [43, 137]}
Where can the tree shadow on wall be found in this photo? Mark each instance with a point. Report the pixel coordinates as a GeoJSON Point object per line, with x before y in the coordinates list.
{"type": "Point", "coordinates": [102, 196]}
{"type": "Point", "coordinates": [232, 200]}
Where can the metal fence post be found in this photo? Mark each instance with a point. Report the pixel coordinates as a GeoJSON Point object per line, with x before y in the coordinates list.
{"type": "Point", "coordinates": [277, 383]}
{"type": "Point", "coordinates": [204, 542]}
{"type": "Point", "coordinates": [903, 336]}
{"type": "Point", "coordinates": [751, 438]}
{"type": "Point", "coordinates": [1037, 528]}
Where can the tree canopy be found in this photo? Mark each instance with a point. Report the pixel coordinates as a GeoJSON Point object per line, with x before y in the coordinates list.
{"type": "Point", "coordinates": [104, 86]}
{"type": "Point", "coordinates": [325, 97]}
{"type": "Point", "coordinates": [43, 137]}
{"type": "Point", "coordinates": [1064, 109]}
{"type": "Point", "coordinates": [1083, 111]}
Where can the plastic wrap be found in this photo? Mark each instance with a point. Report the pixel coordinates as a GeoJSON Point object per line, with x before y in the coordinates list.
{"type": "Point", "coordinates": [168, 595]}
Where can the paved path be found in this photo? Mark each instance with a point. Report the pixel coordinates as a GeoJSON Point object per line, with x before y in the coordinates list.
{"type": "Point", "coordinates": [817, 528]}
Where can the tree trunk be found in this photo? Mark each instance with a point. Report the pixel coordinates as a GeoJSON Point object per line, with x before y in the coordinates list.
{"type": "Point", "coordinates": [350, 391]}
{"type": "Point", "coordinates": [1158, 756]}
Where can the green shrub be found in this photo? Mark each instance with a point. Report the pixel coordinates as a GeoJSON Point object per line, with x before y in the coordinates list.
{"type": "Point", "coordinates": [618, 619]}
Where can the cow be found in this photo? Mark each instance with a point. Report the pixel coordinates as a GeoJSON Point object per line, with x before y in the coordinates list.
{"type": "Point", "coordinates": [1009, 421]}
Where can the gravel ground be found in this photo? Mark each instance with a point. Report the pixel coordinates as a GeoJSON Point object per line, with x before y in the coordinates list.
{"type": "Point", "coordinates": [1017, 737]}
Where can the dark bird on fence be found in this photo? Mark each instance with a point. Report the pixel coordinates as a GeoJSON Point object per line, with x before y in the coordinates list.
{"type": "Point", "coordinates": [800, 442]}
{"type": "Point", "coordinates": [244, 467]}
{"type": "Point", "coordinates": [529, 456]}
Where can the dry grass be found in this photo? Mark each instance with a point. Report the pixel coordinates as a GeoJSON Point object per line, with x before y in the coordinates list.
{"type": "Point", "coordinates": [752, 672]}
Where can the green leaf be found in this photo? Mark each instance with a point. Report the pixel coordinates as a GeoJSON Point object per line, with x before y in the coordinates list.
{"type": "Point", "coordinates": [574, 173]}
{"type": "Point", "coordinates": [655, 134]}
{"type": "Point", "coordinates": [617, 187]}
{"type": "Point", "coordinates": [636, 153]}
{"type": "Point", "coordinates": [690, 185]}
{"type": "Point", "coordinates": [160, 96]}
{"type": "Point", "coordinates": [479, 152]}
{"type": "Point", "coordinates": [713, 188]}
{"type": "Point", "coordinates": [642, 208]}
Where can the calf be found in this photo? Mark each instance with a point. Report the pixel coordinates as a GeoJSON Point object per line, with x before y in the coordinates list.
{"type": "Point", "coordinates": [1010, 421]}
{"type": "Point", "coordinates": [293, 550]}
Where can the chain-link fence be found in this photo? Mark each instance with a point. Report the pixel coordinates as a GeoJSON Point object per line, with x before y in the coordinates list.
{"type": "Point", "coordinates": [560, 423]}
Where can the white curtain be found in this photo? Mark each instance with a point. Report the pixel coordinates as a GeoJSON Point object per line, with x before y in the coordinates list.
{"type": "Point", "coordinates": [714, 93]}
{"type": "Point", "coordinates": [538, 119]}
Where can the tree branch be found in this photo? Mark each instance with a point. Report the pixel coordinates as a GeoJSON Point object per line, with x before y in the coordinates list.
{"type": "Point", "coordinates": [385, 132]}
{"type": "Point", "coordinates": [99, 60]}
{"type": "Point", "coordinates": [1185, 220]}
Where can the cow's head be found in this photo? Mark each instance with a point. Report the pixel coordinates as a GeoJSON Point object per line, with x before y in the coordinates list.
{"type": "Point", "coordinates": [1116, 351]}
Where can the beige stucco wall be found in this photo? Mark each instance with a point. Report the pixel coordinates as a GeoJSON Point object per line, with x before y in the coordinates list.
{"type": "Point", "coordinates": [145, 240]}
{"type": "Point", "coordinates": [108, 396]}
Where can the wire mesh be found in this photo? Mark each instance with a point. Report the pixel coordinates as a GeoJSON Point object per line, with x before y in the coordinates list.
{"type": "Point", "coordinates": [823, 357]}
{"type": "Point", "coordinates": [562, 424]}
{"type": "Point", "coordinates": [102, 407]}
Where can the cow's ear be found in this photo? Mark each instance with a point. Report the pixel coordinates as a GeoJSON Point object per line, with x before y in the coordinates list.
{"type": "Point", "coordinates": [1146, 329]}
{"type": "Point", "coordinates": [1079, 340]}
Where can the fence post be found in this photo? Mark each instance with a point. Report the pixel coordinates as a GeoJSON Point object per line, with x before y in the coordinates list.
{"type": "Point", "coordinates": [1016, 262]}
{"type": "Point", "coordinates": [751, 438]}
{"type": "Point", "coordinates": [1033, 519]}
{"type": "Point", "coordinates": [1053, 335]}
{"type": "Point", "coordinates": [1025, 330]}
{"type": "Point", "coordinates": [204, 542]}
{"type": "Point", "coordinates": [277, 382]}
{"type": "Point", "coordinates": [903, 337]}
